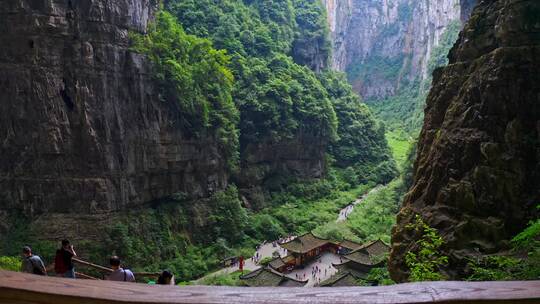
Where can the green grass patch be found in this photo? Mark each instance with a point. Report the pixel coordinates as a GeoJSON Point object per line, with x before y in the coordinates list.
{"type": "Point", "coordinates": [374, 217]}
{"type": "Point", "coordinates": [10, 263]}
{"type": "Point", "coordinates": [400, 143]}
{"type": "Point", "coordinates": [225, 279]}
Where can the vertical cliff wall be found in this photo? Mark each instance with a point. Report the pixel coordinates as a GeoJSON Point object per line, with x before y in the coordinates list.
{"type": "Point", "coordinates": [477, 174]}
{"type": "Point", "coordinates": [81, 126]}
{"type": "Point", "coordinates": [386, 44]}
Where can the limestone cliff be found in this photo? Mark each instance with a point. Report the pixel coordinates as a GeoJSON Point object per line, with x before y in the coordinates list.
{"type": "Point", "coordinates": [82, 127]}
{"type": "Point", "coordinates": [477, 173]}
{"type": "Point", "coordinates": [387, 44]}
{"type": "Point", "coordinates": [83, 130]}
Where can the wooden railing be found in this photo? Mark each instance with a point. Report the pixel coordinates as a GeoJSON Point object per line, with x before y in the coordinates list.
{"type": "Point", "coordinates": [28, 288]}
{"type": "Point", "coordinates": [109, 270]}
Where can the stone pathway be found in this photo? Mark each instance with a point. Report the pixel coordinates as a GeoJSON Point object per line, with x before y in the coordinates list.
{"type": "Point", "coordinates": [265, 250]}
{"type": "Point", "coordinates": [324, 263]}
{"type": "Point", "coordinates": [345, 212]}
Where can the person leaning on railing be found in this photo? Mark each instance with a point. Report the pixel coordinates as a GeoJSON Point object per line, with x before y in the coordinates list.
{"type": "Point", "coordinates": [63, 262]}
{"type": "Point", "coordinates": [32, 263]}
{"type": "Point", "coordinates": [119, 273]}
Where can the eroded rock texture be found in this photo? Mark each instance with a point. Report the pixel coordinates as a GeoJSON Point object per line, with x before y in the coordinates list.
{"type": "Point", "coordinates": [386, 44]}
{"type": "Point", "coordinates": [82, 129]}
{"type": "Point", "coordinates": [268, 166]}
{"type": "Point", "coordinates": [84, 135]}
{"type": "Point", "coordinates": [477, 173]}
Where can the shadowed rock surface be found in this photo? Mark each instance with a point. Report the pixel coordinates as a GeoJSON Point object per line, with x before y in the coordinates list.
{"type": "Point", "coordinates": [477, 173]}
{"type": "Point", "coordinates": [83, 129]}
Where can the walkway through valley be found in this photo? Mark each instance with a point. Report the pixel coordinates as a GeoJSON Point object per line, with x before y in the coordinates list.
{"type": "Point", "coordinates": [345, 212]}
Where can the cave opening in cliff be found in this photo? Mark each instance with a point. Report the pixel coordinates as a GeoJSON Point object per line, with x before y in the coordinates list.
{"type": "Point", "coordinates": [67, 99]}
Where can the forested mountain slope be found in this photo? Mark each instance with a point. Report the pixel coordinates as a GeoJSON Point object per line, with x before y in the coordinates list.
{"type": "Point", "coordinates": [389, 49]}
{"type": "Point", "coordinates": [289, 114]}
{"type": "Point", "coordinates": [168, 122]}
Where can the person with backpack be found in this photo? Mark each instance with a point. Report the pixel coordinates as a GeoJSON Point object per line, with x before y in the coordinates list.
{"type": "Point", "coordinates": [63, 261]}
{"type": "Point", "coordinates": [119, 274]}
{"type": "Point", "coordinates": [32, 263]}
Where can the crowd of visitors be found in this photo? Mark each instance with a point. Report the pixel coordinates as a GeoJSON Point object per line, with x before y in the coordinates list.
{"type": "Point", "coordinates": [63, 266]}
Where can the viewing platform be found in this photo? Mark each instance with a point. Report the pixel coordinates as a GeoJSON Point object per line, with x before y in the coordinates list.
{"type": "Point", "coordinates": [30, 289]}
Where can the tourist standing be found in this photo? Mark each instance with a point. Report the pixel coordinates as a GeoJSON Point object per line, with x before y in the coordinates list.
{"type": "Point", "coordinates": [63, 262]}
{"type": "Point", "coordinates": [119, 274]}
{"type": "Point", "coordinates": [32, 263]}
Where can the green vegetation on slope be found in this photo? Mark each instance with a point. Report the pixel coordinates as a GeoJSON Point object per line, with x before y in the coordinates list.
{"type": "Point", "coordinates": [277, 98]}
{"type": "Point", "coordinates": [193, 76]}
{"type": "Point", "coordinates": [521, 263]}
{"type": "Point", "coordinates": [400, 143]}
{"type": "Point", "coordinates": [361, 146]}
{"type": "Point", "coordinates": [273, 45]}
{"type": "Point", "coordinates": [404, 110]}
{"type": "Point", "coordinates": [372, 219]}
{"type": "Point", "coordinates": [425, 262]}
{"type": "Point", "coordinates": [243, 72]}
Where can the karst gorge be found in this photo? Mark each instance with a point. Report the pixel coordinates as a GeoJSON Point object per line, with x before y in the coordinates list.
{"type": "Point", "coordinates": [384, 141]}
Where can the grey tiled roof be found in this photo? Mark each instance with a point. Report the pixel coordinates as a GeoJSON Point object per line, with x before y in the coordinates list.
{"type": "Point", "coordinates": [304, 243]}
{"type": "Point", "coordinates": [268, 277]}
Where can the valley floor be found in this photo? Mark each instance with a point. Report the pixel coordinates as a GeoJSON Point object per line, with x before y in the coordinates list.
{"type": "Point", "coordinates": [267, 249]}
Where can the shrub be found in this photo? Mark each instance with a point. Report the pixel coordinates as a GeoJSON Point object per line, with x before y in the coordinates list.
{"type": "Point", "coordinates": [265, 261]}
{"type": "Point", "coordinates": [493, 268]}
{"type": "Point", "coordinates": [425, 262]}
{"type": "Point", "coordinates": [377, 276]}
{"type": "Point", "coordinates": [230, 279]}
{"type": "Point", "coordinates": [10, 263]}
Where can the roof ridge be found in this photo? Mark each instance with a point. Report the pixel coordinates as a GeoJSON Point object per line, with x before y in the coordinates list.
{"type": "Point", "coordinates": [269, 269]}
{"type": "Point", "coordinates": [252, 274]}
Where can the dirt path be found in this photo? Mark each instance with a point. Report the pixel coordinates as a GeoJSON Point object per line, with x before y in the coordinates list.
{"type": "Point", "coordinates": [324, 264]}
{"type": "Point", "coordinates": [345, 212]}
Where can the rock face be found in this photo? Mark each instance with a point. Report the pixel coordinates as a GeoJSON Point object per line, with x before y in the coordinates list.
{"type": "Point", "coordinates": [386, 44]}
{"type": "Point", "coordinates": [81, 126]}
{"type": "Point", "coordinates": [477, 173]}
{"type": "Point", "coordinates": [268, 165]}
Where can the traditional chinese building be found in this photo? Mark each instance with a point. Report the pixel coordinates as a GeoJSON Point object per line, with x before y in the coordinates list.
{"type": "Point", "coordinates": [358, 263]}
{"type": "Point", "coordinates": [284, 264]}
{"type": "Point", "coordinates": [307, 247]}
{"type": "Point", "coordinates": [375, 249]}
{"type": "Point", "coordinates": [266, 276]}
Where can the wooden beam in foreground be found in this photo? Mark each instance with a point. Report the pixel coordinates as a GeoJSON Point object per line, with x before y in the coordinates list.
{"type": "Point", "coordinates": [28, 288]}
